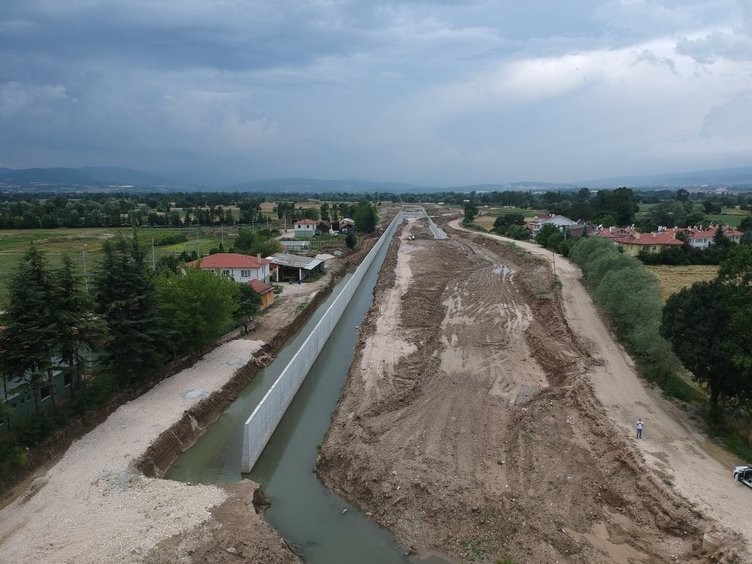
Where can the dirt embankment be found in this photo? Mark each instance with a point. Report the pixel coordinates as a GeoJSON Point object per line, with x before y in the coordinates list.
{"type": "Point", "coordinates": [467, 425]}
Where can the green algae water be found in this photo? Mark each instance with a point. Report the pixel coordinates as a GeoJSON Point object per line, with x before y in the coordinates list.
{"type": "Point", "coordinates": [324, 527]}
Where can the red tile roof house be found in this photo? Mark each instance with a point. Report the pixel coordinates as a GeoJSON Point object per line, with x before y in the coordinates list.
{"type": "Point", "coordinates": [651, 242]}
{"type": "Point", "coordinates": [241, 268]}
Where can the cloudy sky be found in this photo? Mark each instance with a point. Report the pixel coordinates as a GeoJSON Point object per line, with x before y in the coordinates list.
{"type": "Point", "coordinates": [437, 92]}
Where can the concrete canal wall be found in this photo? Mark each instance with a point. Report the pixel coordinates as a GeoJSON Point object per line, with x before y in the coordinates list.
{"type": "Point", "coordinates": [260, 426]}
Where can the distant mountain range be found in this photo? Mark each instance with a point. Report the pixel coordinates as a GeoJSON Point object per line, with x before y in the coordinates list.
{"type": "Point", "coordinates": [730, 177]}
{"type": "Point", "coordinates": [102, 178]}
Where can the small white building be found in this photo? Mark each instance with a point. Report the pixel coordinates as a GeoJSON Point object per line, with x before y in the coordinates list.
{"type": "Point", "coordinates": [305, 228]}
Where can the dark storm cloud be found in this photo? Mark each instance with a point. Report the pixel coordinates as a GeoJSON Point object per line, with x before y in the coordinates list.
{"type": "Point", "coordinates": [424, 91]}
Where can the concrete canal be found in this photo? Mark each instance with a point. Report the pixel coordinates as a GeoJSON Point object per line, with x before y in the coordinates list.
{"type": "Point", "coordinates": [324, 527]}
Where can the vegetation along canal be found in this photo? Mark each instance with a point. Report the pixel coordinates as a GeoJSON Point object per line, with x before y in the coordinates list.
{"type": "Point", "coordinates": [308, 515]}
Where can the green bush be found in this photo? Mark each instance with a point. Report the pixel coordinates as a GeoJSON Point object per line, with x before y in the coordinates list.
{"type": "Point", "coordinates": [630, 294]}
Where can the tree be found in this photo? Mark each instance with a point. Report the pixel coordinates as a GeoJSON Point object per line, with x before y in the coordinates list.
{"type": "Point", "coordinates": [548, 236]}
{"type": "Point", "coordinates": [365, 217]}
{"type": "Point", "coordinates": [126, 302]}
{"type": "Point", "coordinates": [699, 323]}
{"type": "Point", "coordinates": [249, 302]}
{"type": "Point", "coordinates": [28, 339]}
{"type": "Point", "coordinates": [350, 239]}
{"type": "Point", "coordinates": [324, 211]}
{"type": "Point", "coordinates": [197, 306]}
{"type": "Point", "coordinates": [504, 222]}
{"type": "Point", "coordinates": [253, 243]}
{"type": "Point", "coordinates": [74, 325]}
{"type": "Point", "coordinates": [471, 211]}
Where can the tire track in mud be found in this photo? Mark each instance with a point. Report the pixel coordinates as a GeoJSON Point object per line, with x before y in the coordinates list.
{"type": "Point", "coordinates": [463, 459]}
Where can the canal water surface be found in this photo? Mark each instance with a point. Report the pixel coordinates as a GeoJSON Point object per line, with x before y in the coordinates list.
{"type": "Point", "coordinates": [323, 526]}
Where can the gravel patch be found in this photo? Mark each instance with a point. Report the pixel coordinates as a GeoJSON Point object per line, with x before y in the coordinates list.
{"type": "Point", "coordinates": [93, 506]}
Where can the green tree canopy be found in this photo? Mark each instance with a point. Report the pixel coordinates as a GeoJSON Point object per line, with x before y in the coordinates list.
{"type": "Point", "coordinates": [28, 340]}
{"type": "Point", "coordinates": [504, 222]}
{"type": "Point", "coordinates": [197, 306]}
{"type": "Point", "coordinates": [75, 325]}
{"type": "Point", "coordinates": [253, 243]}
{"type": "Point", "coordinates": [698, 321]}
{"type": "Point", "coordinates": [126, 301]}
{"type": "Point", "coordinates": [365, 217]}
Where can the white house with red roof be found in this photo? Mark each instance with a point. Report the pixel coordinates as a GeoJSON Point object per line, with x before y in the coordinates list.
{"type": "Point", "coordinates": [305, 228]}
{"type": "Point", "coordinates": [241, 268]}
{"type": "Point", "coordinates": [704, 238]}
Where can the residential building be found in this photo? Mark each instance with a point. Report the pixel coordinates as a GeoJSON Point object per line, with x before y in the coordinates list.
{"type": "Point", "coordinates": [564, 224]}
{"type": "Point", "coordinates": [305, 228]}
{"type": "Point", "coordinates": [704, 238]}
{"type": "Point", "coordinates": [241, 268]}
{"type": "Point", "coordinates": [24, 401]}
{"type": "Point", "coordinates": [650, 242]}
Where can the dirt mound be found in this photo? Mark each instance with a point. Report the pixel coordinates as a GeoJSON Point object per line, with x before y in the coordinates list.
{"type": "Point", "coordinates": [468, 428]}
{"type": "Point", "coordinates": [235, 533]}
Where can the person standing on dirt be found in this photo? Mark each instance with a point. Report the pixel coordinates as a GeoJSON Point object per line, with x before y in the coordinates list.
{"type": "Point", "coordinates": [640, 425]}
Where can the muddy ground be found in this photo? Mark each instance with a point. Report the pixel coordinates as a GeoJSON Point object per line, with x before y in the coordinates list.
{"type": "Point", "coordinates": [468, 425]}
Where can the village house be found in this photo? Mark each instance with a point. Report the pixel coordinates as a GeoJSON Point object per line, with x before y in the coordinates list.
{"type": "Point", "coordinates": [564, 224]}
{"type": "Point", "coordinates": [241, 268]}
{"type": "Point", "coordinates": [649, 242]}
{"type": "Point", "coordinates": [24, 400]}
{"type": "Point", "coordinates": [704, 238]}
{"type": "Point", "coordinates": [305, 228]}
{"type": "Point", "coordinates": [344, 225]}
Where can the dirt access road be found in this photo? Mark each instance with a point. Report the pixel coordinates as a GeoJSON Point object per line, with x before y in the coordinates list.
{"type": "Point", "coordinates": [94, 506]}
{"type": "Point", "coordinates": [471, 427]}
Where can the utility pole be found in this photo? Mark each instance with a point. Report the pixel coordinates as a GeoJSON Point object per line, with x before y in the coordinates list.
{"type": "Point", "coordinates": [153, 258]}
{"type": "Point", "coordinates": [86, 276]}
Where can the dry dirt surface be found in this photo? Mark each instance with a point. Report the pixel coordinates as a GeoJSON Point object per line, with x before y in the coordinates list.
{"type": "Point", "coordinates": [93, 506]}
{"type": "Point", "coordinates": [470, 425]}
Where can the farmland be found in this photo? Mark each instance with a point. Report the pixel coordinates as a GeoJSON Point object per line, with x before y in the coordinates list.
{"type": "Point", "coordinates": [85, 245]}
{"type": "Point", "coordinates": [730, 216]}
{"type": "Point", "coordinates": [488, 215]}
{"type": "Point", "coordinates": [674, 278]}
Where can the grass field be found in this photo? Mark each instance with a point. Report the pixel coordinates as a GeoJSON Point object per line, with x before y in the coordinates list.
{"type": "Point", "coordinates": [730, 216]}
{"type": "Point", "coordinates": [489, 215]}
{"type": "Point", "coordinates": [84, 246]}
{"type": "Point", "coordinates": [674, 278]}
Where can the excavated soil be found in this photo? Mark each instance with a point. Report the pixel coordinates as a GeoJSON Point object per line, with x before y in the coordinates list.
{"type": "Point", "coordinates": [468, 427]}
